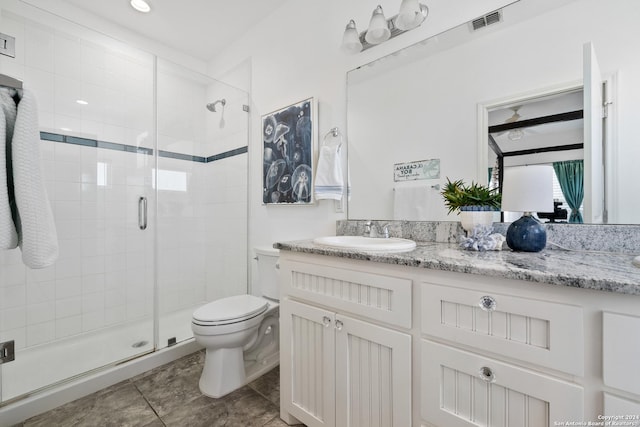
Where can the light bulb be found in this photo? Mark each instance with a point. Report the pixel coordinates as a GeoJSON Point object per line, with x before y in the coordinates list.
{"type": "Point", "coordinates": [378, 28]}
{"type": "Point", "coordinates": [351, 39]}
{"type": "Point", "coordinates": [411, 15]}
{"type": "Point", "coordinates": [140, 5]}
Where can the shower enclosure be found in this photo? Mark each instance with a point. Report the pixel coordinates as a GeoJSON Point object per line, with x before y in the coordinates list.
{"type": "Point", "coordinates": [149, 192]}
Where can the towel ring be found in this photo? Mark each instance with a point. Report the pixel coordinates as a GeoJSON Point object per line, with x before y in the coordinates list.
{"type": "Point", "coordinates": [334, 133]}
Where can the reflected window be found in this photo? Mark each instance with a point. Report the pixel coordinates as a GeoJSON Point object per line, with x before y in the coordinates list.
{"type": "Point", "coordinates": [170, 180]}
{"type": "Point", "coordinates": [102, 174]}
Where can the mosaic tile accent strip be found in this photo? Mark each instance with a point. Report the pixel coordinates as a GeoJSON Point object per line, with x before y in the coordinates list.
{"type": "Point", "coordinates": [88, 142]}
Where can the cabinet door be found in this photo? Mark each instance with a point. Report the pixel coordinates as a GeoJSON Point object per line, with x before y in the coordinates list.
{"type": "Point", "coordinates": [621, 351]}
{"type": "Point", "coordinates": [627, 410]}
{"type": "Point", "coordinates": [307, 371]}
{"type": "Point", "coordinates": [373, 375]}
{"type": "Point", "coordinates": [462, 389]}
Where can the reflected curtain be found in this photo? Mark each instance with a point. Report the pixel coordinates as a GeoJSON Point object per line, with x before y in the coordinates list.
{"type": "Point", "coordinates": [571, 178]}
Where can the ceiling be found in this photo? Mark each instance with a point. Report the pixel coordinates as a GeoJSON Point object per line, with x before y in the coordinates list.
{"type": "Point", "coordinates": [200, 28]}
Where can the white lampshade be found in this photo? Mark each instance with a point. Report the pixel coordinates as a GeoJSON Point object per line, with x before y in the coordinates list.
{"type": "Point", "coordinates": [528, 189]}
{"type": "Point", "coordinates": [378, 30]}
{"type": "Point", "coordinates": [411, 15]}
{"type": "Point", "coordinates": [351, 39]}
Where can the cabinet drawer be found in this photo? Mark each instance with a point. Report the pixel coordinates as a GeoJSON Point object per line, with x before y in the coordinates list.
{"type": "Point", "coordinates": [383, 298]}
{"type": "Point", "coordinates": [544, 333]}
{"type": "Point", "coordinates": [461, 389]}
{"type": "Point", "coordinates": [621, 351]}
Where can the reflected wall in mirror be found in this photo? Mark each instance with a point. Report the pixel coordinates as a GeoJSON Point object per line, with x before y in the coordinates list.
{"type": "Point", "coordinates": [423, 102]}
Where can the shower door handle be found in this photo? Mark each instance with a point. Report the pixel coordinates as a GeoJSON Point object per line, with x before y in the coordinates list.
{"type": "Point", "coordinates": [142, 213]}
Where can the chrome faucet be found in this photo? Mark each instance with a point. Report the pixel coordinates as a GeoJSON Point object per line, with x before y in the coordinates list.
{"type": "Point", "coordinates": [372, 229]}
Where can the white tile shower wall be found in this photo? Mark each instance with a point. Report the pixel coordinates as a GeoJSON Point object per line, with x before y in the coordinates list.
{"type": "Point", "coordinates": [226, 236]}
{"type": "Point", "coordinates": [181, 242]}
{"type": "Point", "coordinates": [182, 113]}
{"type": "Point", "coordinates": [104, 275]}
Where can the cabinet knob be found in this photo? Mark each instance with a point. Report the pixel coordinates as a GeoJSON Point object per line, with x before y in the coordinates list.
{"type": "Point", "coordinates": [487, 374]}
{"type": "Point", "coordinates": [487, 303]}
{"type": "Point", "coordinates": [326, 321]}
{"type": "Point", "coordinates": [339, 325]}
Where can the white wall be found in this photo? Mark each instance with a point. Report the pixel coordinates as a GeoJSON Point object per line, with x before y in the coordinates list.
{"type": "Point", "coordinates": [294, 54]}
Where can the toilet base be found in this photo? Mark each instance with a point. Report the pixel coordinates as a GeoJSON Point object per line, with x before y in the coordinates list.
{"type": "Point", "coordinates": [228, 376]}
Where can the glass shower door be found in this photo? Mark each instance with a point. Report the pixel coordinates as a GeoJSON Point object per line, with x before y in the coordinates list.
{"type": "Point", "coordinates": [94, 306]}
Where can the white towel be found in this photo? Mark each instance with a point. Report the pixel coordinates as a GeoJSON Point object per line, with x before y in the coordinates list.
{"type": "Point", "coordinates": [36, 228]}
{"type": "Point", "coordinates": [411, 203]}
{"type": "Point", "coordinates": [329, 183]}
{"type": "Point", "coordinates": [8, 234]}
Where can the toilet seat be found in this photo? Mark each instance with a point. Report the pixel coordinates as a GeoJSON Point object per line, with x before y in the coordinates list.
{"type": "Point", "coordinates": [230, 310]}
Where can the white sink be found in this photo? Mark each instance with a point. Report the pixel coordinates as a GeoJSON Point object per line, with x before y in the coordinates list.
{"type": "Point", "coordinates": [361, 243]}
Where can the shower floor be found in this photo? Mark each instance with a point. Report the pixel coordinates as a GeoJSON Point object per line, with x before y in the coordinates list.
{"type": "Point", "coordinates": [38, 367]}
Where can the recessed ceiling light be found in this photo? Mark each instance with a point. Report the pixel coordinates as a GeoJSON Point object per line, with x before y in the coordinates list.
{"type": "Point", "coordinates": [140, 6]}
{"type": "Point", "coordinates": [82, 102]}
{"type": "Point", "coordinates": [66, 129]}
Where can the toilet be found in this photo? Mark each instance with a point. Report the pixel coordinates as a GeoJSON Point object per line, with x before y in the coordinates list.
{"type": "Point", "coordinates": [240, 333]}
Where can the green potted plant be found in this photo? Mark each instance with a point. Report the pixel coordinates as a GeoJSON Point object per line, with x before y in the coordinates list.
{"type": "Point", "coordinates": [475, 203]}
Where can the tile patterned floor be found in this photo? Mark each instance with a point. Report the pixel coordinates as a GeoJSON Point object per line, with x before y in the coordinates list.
{"type": "Point", "coordinates": [169, 396]}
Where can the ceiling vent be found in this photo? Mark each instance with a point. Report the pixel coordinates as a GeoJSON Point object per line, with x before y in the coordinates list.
{"type": "Point", "coordinates": [486, 20]}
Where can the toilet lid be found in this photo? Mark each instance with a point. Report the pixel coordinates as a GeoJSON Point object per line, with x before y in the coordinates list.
{"type": "Point", "coordinates": [231, 309]}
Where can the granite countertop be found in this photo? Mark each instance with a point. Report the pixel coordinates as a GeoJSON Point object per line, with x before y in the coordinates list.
{"type": "Point", "coordinates": [610, 272]}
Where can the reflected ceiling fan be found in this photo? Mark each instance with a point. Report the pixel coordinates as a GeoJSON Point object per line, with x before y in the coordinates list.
{"type": "Point", "coordinates": [514, 134]}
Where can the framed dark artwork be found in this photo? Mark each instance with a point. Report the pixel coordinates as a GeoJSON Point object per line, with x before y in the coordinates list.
{"type": "Point", "coordinates": [287, 162]}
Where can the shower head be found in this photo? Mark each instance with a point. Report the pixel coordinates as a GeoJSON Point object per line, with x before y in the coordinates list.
{"type": "Point", "coordinates": [212, 106]}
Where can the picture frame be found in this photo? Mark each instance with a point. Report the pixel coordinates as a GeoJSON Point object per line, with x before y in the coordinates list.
{"type": "Point", "coordinates": [288, 142]}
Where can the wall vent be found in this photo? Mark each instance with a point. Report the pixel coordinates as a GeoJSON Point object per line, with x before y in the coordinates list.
{"type": "Point", "coordinates": [486, 20]}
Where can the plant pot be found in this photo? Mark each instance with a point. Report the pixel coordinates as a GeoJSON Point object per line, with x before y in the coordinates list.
{"type": "Point", "coordinates": [469, 219]}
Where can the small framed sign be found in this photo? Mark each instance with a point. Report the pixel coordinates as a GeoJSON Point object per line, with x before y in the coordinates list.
{"type": "Point", "coordinates": [421, 169]}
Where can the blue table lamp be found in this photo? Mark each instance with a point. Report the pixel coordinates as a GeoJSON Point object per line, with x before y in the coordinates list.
{"type": "Point", "coordinates": [527, 189]}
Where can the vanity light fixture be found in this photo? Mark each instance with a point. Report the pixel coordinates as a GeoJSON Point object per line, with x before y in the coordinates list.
{"type": "Point", "coordinates": [527, 189]}
{"type": "Point", "coordinates": [412, 14]}
{"type": "Point", "coordinates": [141, 6]}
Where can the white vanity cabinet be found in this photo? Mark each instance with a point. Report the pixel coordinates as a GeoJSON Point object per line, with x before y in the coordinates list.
{"type": "Point", "coordinates": [339, 366]}
{"type": "Point", "coordinates": [374, 344]}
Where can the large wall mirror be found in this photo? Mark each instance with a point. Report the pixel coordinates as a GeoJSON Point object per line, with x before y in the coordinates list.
{"type": "Point", "coordinates": [435, 101]}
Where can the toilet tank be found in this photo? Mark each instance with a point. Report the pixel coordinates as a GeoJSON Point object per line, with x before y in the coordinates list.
{"type": "Point", "coordinates": [267, 258]}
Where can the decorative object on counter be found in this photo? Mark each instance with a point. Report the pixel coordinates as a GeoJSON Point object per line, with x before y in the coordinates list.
{"type": "Point", "coordinates": [476, 203]}
{"type": "Point", "coordinates": [411, 15]}
{"type": "Point", "coordinates": [482, 238]}
{"type": "Point", "coordinates": [527, 189]}
{"type": "Point", "coordinates": [287, 137]}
